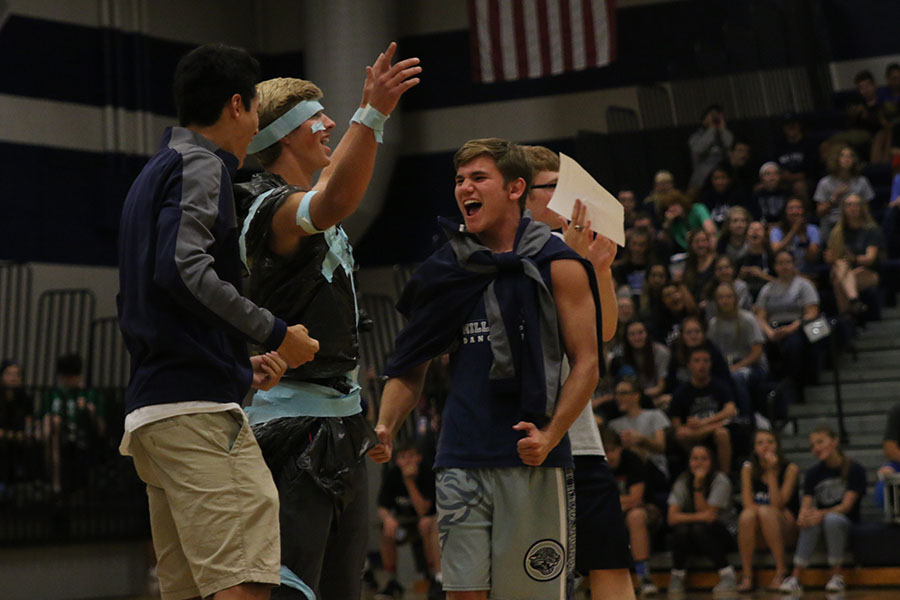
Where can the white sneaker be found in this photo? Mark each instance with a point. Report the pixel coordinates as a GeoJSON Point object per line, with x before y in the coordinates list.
{"type": "Point", "coordinates": [647, 587]}
{"type": "Point", "coordinates": [790, 585]}
{"type": "Point", "coordinates": [676, 585]}
{"type": "Point", "coordinates": [835, 584]}
{"type": "Point", "coordinates": [727, 586]}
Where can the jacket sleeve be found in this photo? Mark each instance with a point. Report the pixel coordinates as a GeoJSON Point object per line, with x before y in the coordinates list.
{"type": "Point", "coordinates": [184, 264]}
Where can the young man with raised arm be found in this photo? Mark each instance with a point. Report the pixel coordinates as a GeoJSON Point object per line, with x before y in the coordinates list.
{"type": "Point", "coordinates": [310, 427]}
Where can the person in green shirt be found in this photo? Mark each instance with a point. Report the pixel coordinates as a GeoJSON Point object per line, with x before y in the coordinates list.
{"type": "Point", "coordinates": [679, 216]}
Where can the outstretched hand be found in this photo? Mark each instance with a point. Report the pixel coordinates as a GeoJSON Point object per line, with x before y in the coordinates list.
{"type": "Point", "coordinates": [385, 83]}
{"type": "Point", "coordinates": [535, 446]}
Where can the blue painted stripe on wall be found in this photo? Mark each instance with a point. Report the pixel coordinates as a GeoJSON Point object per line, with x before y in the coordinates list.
{"type": "Point", "coordinates": [63, 206]}
{"type": "Point", "coordinates": [101, 66]}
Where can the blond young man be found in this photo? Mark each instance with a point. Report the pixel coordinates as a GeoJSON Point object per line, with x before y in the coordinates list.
{"type": "Point", "coordinates": [310, 427]}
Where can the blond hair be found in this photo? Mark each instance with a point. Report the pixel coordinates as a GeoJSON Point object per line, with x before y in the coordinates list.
{"type": "Point", "coordinates": [276, 97]}
{"type": "Point", "coordinates": [541, 159]}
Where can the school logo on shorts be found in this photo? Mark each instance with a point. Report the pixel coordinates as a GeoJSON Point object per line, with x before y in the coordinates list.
{"type": "Point", "coordinates": [545, 560]}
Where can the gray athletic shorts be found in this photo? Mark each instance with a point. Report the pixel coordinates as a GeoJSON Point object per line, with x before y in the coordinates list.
{"type": "Point", "coordinates": [508, 530]}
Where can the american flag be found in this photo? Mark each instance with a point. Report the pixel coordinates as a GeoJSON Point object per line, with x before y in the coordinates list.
{"type": "Point", "coordinates": [527, 39]}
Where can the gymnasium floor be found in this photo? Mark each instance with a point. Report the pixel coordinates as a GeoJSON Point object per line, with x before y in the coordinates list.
{"type": "Point", "coordinates": [870, 594]}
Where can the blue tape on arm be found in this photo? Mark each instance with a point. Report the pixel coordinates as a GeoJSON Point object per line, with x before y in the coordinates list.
{"type": "Point", "coordinates": [373, 119]}
{"type": "Point", "coordinates": [304, 221]}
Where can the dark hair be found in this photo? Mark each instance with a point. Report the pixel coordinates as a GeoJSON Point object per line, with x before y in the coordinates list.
{"type": "Point", "coordinates": [697, 350]}
{"type": "Point", "coordinates": [755, 467]}
{"type": "Point", "coordinates": [610, 438]}
{"type": "Point", "coordinates": [891, 67]}
{"type": "Point", "coordinates": [830, 432]}
{"type": "Point", "coordinates": [640, 358]}
{"type": "Point", "coordinates": [405, 444]}
{"type": "Point", "coordinates": [207, 77]}
{"type": "Point", "coordinates": [739, 140]}
{"type": "Point", "coordinates": [688, 477]}
{"type": "Point", "coordinates": [711, 108]}
{"type": "Point", "coordinates": [863, 76]}
{"type": "Point", "coordinates": [69, 365]}
{"type": "Point", "coordinates": [680, 351]}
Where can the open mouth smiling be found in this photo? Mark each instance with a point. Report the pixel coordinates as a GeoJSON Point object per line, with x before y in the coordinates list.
{"type": "Point", "coordinates": [471, 207]}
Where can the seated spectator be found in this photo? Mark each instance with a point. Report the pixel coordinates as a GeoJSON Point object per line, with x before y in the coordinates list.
{"type": "Point", "coordinates": [627, 313]}
{"type": "Point", "coordinates": [702, 407]}
{"type": "Point", "coordinates": [677, 303]}
{"type": "Point", "coordinates": [889, 95]}
{"type": "Point", "coordinates": [642, 431]}
{"type": "Point", "coordinates": [797, 235]}
{"type": "Point", "coordinates": [781, 309]}
{"type": "Point", "coordinates": [867, 127]}
{"type": "Point", "coordinates": [832, 489]}
{"type": "Point", "coordinates": [74, 422]}
{"type": "Point", "coordinates": [853, 252]}
{"type": "Point", "coordinates": [648, 360]}
{"type": "Point", "coordinates": [739, 161]}
{"type": "Point", "coordinates": [642, 515]}
{"type": "Point", "coordinates": [646, 218]}
{"type": "Point", "coordinates": [891, 445]}
{"type": "Point", "coordinates": [733, 239]}
{"type": "Point", "coordinates": [407, 512]}
{"type": "Point", "coordinates": [663, 183]}
{"type": "Point", "coordinates": [769, 198]}
{"type": "Point", "coordinates": [638, 255]}
{"type": "Point", "coordinates": [891, 222]}
{"type": "Point", "coordinates": [843, 179]}
{"type": "Point", "coordinates": [724, 273]}
{"type": "Point", "coordinates": [771, 502]}
{"type": "Point", "coordinates": [719, 194]}
{"type": "Point", "coordinates": [698, 266]}
{"type": "Point", "coordinates": [702, 519]}
{"type": "Point", "coordinates": [693, 335]}
{"type": "Point", "coordinates": [797, 156]}
{"type": "Point", "coordinates": [709, 146]}
{"type": "Point", "coordinates": [16, 426]}
{"type": "Point", "coordinates": [679, 216]}
{"type": "Point", "coordinates": [655, 277]}
{"type": "Point", "coordinates": [737, 334]}
{"type": "Point", "coordinates": [630, 206]}
{"type": "Point", "coordinates": [756, 266]}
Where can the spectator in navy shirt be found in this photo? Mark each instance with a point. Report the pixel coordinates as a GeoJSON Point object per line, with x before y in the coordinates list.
{"type": "Point", "coordinates": [702, 407]}
{"type": "Point", "coordinates": [832, 489]}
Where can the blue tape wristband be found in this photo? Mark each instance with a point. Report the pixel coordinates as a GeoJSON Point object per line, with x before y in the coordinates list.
{"type": "Point", "coordinates": [372, 118]}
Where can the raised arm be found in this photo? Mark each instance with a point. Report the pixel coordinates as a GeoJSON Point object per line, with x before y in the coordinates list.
{"type": "Point", "coordinates": [343, 182]}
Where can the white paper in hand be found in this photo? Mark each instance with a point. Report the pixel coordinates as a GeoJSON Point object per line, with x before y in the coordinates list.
{"type": "Point", "coordinates": [605, 213]}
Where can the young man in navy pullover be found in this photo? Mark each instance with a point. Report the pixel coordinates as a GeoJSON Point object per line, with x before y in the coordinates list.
{"type": "Point", "coordinates": [213, 505]}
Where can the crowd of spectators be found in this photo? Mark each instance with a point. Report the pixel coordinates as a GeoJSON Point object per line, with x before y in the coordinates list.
{"type": "Point", "coordinates": [51, 438]}
{"type": "Point", "coordinates": [723, 289]}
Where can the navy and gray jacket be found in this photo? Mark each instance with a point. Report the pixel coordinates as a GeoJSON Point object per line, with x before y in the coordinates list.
{"type": "Point", "coordinates": [181, 312]}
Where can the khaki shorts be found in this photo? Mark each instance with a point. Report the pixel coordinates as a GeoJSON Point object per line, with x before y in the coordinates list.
{"type": "Point", "coordinates": [213, 504]}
